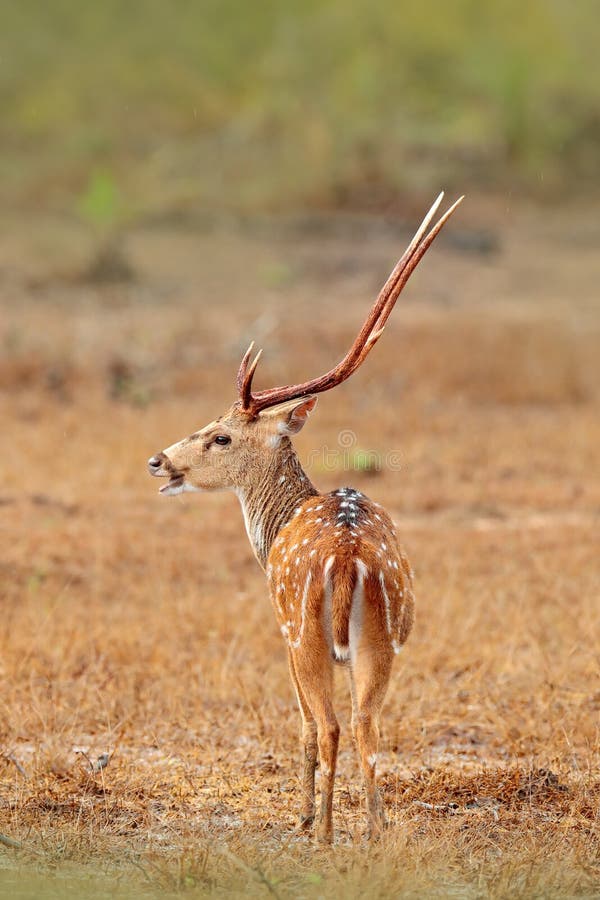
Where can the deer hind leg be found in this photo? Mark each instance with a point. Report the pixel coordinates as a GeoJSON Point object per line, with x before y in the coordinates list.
{"type": "Point", "coordinates": [369, 679]}
{"type": "Point", "coordinates": [310, 748]}
{"type": "Point", "coordinates": [314, 672]}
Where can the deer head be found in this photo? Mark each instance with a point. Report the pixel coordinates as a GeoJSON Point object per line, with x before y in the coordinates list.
{"type": "Point", "coordinates": [229, 452]}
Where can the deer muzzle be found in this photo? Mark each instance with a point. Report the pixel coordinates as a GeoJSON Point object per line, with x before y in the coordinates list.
{"type": "Point", "coordinates": [161, 467]}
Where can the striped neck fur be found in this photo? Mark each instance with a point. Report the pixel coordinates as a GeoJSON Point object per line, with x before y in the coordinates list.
{"type": "Point", "coordinates": [269, 503]}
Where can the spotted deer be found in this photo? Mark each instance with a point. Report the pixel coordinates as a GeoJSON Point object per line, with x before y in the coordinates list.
{"type": "Point", "coordinates": [340, 584]}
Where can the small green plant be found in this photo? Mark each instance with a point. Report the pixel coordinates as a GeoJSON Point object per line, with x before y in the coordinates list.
{"type": "Point", "coordinates": [100, 203]}
{"type": "Point", "coordinates": [365, 461]}
{"type": "Point", "coordinates": [101, 207]}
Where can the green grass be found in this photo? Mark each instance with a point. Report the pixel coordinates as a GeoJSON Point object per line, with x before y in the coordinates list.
{"type": "Point", "coordinates": [298, 102]}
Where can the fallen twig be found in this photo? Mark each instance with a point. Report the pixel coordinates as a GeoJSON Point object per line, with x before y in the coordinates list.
{"type": "Point", "coordinates": [10, 757]}
{"type": "Point", "coordinates": [10, 842]}
{"type": "Point", "coordinates": [437, 807]}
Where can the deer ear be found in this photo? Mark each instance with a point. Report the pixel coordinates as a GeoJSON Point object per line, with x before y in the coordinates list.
{"type": "Point", "coordinates": [290, 418]}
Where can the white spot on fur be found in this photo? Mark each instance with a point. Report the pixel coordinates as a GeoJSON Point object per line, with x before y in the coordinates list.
{"type": "Point", "coordinates": [386, 600]}
{"type": "Point", "coordinates": [372, 760]}
{"type": "Point", "coordinates": [341, 653]}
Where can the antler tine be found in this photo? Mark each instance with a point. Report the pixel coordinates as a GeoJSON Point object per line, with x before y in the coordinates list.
{"type": "Point", "coordinates": [399, 276]}
{"type": "Point", "coordinates": [368, 335]}
{"type": "Point", "coordinates": [380, 313]}
{"type": "Point", "coordinates": [245, 388]}
{"type": "Point", "coordinates": [421, 231]}
{"type": "Point", "coordinates": [388, 287]}
{"type": "Point", "coordinates": [244, 366]}
{"type": "Point", "coordinates": [402, 273]}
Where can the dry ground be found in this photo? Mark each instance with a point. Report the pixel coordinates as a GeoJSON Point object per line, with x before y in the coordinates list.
{"type": "Point", "coordinates": [139, 627]}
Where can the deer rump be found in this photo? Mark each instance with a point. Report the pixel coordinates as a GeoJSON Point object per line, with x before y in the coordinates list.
{"type": "Point", "coordinates": [357, 597]}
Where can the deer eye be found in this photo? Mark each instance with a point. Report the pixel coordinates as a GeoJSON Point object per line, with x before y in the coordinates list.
{"type": "Point", "coordinates": [222, 440]}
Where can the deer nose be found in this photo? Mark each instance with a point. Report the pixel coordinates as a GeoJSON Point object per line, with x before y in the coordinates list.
{"type": "Point", "coordinates": [155, 463]}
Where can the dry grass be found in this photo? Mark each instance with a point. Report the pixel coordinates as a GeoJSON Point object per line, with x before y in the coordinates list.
{"type": "Point", "coordinates": [140, 628]}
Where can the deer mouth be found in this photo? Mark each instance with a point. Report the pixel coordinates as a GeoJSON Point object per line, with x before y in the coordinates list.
{"type": "Point", "coordinates": [175, 485]}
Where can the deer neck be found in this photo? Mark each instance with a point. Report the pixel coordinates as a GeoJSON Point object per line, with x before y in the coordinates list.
{"type": "Point", "coordinates": [268, 502]}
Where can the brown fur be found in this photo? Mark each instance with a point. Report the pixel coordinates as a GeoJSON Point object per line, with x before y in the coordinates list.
{"type": "Point", "coordinates": [339, 582]}
{"type": "Point", "coordinates": [343, 578]}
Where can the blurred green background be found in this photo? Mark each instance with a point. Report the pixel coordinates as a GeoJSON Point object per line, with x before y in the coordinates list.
{"type": "Point", "coordinates": [222, 104]}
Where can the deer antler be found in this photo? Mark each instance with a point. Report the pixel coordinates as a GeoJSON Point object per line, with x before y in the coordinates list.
{"type": "Point", "coordinates": [367, 337]}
